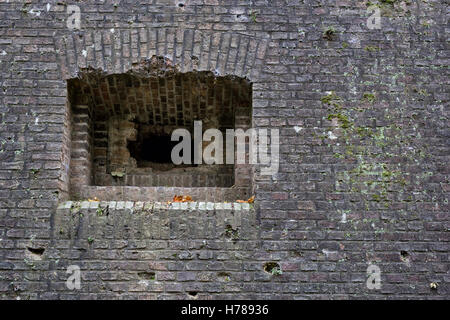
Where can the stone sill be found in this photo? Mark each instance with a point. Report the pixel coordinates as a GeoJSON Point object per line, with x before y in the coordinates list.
{"type": "Point", "coordinates": [161, 194]}
{"type": "Point", "coordinates": [150, 206]}
{"type": "Point", "coordinates": [83, 222]}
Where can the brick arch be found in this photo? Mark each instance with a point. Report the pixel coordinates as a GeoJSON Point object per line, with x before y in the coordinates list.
{"type": "Point", "coordinates": [120, 50]}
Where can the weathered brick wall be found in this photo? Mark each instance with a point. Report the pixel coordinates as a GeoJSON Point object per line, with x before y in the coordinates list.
{"type": "Point", "coordinates": [363, 177]}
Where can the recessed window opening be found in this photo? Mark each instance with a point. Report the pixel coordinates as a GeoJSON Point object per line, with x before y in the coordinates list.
{"type": "Point", "coordinates": [155, 150]}
{"type": "Point", "coordinates": [121, 127]}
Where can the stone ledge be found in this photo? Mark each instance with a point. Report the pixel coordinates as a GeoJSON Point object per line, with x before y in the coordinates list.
{"type": "Point", "coordinates": [107, 220]}
{"type": "Point", "coordinates": [162, 194]}
{"type": "Point", "coordinates": [155, 205]}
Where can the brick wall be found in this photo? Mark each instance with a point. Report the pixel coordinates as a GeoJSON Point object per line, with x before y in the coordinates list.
{"type": "Point", "coordinates": [364, 154]}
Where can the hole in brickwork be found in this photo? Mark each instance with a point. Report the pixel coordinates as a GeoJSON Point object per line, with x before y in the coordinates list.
{"type": "Point", "coordinates": [404, 256]}
{"type": "Point", "coordinates": [36, 251]}
{"type": "Point", "coordinates": [224, 276]}
{"type": "Point", "coordinates": [231, 233]}
{"type": "Point", "coordinates": [120, 127]}
{"type": "Point", "coordinates": [147, 275]}
{"type": "Point", "coordinates": [271, 267]}
{"type": "Point", "coordinates": [192, 294]}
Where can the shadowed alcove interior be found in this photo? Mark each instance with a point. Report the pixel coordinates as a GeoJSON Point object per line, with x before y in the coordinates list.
{"type": "Point", "coordinates": [121, 127]}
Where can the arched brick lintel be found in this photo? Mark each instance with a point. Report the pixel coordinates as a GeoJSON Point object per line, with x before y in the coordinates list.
{"type": "Point", "coordinates": [117, 51]}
